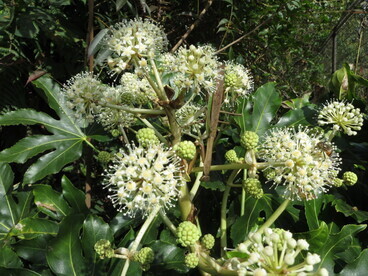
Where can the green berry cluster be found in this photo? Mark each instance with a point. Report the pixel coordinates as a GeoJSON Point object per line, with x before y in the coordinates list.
{"type": "Point", "coordinates": [249, 140]}
{"type": "Point", "coordinates": [253, 187]}
{"type": "Point", "coordinates": [115, 132]}
{"type": "Point", "coordinates": [103, 248]}
{"type": "Point", "coordinates": [230, 80]}
{"type": "Point", "coordinates": [349, 178]}
{"type": "Point", "coordinates": [185, 150]}
{"type": "Point", "coordinates": [208, 241]}
{"type": "Point", "coordinates": [146, 137]}
{"type": "Point", "coordinates": [145, 257]}
{"type": "Point", "coordinates": [231, 156]}
{"type": "Point", "coordinates": [269, 173]}
{"type": "Point", "coordinates": [337, 182]}
{"type": "Point", "coordinates": [191, 260]}
{"type": "Point", "coordinates": [187, 233]}
{"type": "Point", "coordinates": [104, 157]}
{"type": "Point", "coordinates": [127, 98]}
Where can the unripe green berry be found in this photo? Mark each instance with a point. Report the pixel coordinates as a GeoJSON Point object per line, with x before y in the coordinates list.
{"type": "Point", "coordinates": [104, 157]}
{"type": "Point", "coordinates": [146, 137]}
{"type": "Point", "coordinates": [103, 249]}
{"type": "Point", "coordinates": [141, 99]}
{"type": "Point", "coordinates": [145, 256]}
{"type": "Point", "coordinates": [269, 173]}
{"type": "Point", "coordinates": [230, 80]}
{"type": "Point", "coordinates": [253, 187]}
{"type": "Point", "coordinates": [337, 182]}
{"type": "Point", "coordinates": [127, 98]}
{"type": "Point", "coordinates": [185, 150]}
{"type": "Point", "coordinates": [187, 233]}
{"type": "Point", "coordinates": [231, 156]}
{"type": "Point", "coordinates": [208, 241]}
{"type": "Point", "coordinates": [191, 260]}
{"type": "Point", "coordinates": [350, 178]}
{"type": "Point", "coordinates": [249, 140]}
{"type": "Point", "coordinates": [115, 132]}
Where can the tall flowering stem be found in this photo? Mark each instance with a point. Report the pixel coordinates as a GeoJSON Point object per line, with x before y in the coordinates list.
{"type": "Point", "coordinates": [142, 231]}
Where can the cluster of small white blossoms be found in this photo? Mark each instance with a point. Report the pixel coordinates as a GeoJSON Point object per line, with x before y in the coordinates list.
{"type": "Point", "coordinates": [136, 89]}
{"type": "Point", "coordinates": [112, 118]}
{"type": "Point", "coordinates": [82, 93]}
{"type": "Point", "coordinates": [142, 178]}
{"type": "Point", "coordinates": [238, 81]}
{"type": "Point", "coordinates": [134, 38]}
{"type": "Point", "coordinates": [195, 67]}
{"type": "Point", "coordinates": [299, 161]}
{"type": "Point", "coordinates": [190, 117]}
{"type": "Point", "coordinates": [276, 252]}
{"type": "Point", "coordinates": [343, 116]}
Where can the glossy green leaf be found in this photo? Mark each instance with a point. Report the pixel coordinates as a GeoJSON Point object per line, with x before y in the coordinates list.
{"type": "Point", "coordinates": [295, 117]}
{"type": "Point", "coordinates": [253, 207]}
{"type": "Point", "coordinates": [312, 210]}
{"type": "Point", "coordinates": [214, 185]}
{"type": "Point", "coordinates": [336, 243]}
{"type": "Point", "coordinates": [50, 202]}
{"type": "Point", "coordinates": [358, 267]}
{"type": "Point", "coordinates": [318, 236]}
{"type": "Point", "coordinates": [75, 197]}
{"type": "Point", "coordinates": [168, 237]}
{"type": "Point", "coordinates": [65, 251]}
{"type": "Point", "coordinates": [33, 250]}
{"type": "Point", "coordinates": [266, 103]}
{"type": "Point", "coordinates": [65, 142]}
{"type": "Point", "coordinates": [96, 42]}
{"type": "Point", "coordinates": [152, 231]}
{"type": "Point", "coordinates": [350, 211]}
{"type": "Point", "coordinates": [168, 256]}
{"type": "Point", "coordinates": [18, 272]}
{"type": "Point", "coordinates": [30, 228]}
{"type": "Point", "coordinates": [121, 222]}
{"type": "Point", "coordinates": [8, 258]}
{"type": "Point", "coordinates": [94, 229]}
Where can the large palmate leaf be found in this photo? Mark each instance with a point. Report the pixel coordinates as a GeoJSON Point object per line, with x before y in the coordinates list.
{"type": "Point", "coordinates": [11, 210]}
{"type": "Point", "coordinates": [266, 102]}
{"type": "Point", "coordinates": [63, 146]}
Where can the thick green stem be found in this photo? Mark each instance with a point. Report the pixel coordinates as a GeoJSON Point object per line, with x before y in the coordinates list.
{"type": "Point", "coordinates": [196, 184]}
{"type": "Point", "coordinates": [133, 247]}
{"type": "Point", "coordinates": [233, 166]}
{"type": "Point", "coordinates": [162, 95]}
{"type": "Point", "coordinates": [135, 110]}
{"type": "Point", "coordinates": [168, 222]}
{"type": "Point", "coordinates": [174, 126]}
{"type": "Point", "coordinates": [185, 203]}
{"type": "Point", "coordinates": [223, 224]}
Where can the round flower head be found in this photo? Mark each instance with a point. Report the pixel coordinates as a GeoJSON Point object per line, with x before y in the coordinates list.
{"type": "Point", "coordinates": [238, 82]}
{"type": "Point", "coordinates": [111, 118]}
{"type": "Point", "coordinates": [343, 116]}
{"type": "Point", "coordinates": [82, 93]}
{"type": "Point", "coordinates": [277, 253]}
{"type": "Point", "coordinates": [196, 68]}
{"type": "Point", "coordinates": [300, 162]}
{"type": "Point", "coordinates": [134, 38]}
{"type": "Point", "coordinates": [143, 178]}
{"type": "Point", "coordinates": [139, 89]}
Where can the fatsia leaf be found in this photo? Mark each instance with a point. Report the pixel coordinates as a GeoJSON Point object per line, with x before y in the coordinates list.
{"type": "Point", "coordinates": [65, 251]}
{"type": "Point", "coordinates": [337, 243]}
{"type": "Point", "coordinates": [358, 267]}
{"type": "Point", "coordinates": [18, 271]}
{"type": "Point", "coordinates": [75, 197]}
{"type": "Point", "coordinates": [30, 228]}
{"type": "Point", "coordinates": [50, 201]}
{"type": "Point", "coordinates": [63, 146]}
{"type": "Point", "coordinates": [347, 210]}
{"type": "Point", "coordinates": [8, 258]}
{"type": "Point", "coordinates": [266, 102]}
{"type": "Point", "coordinates": [312, 209]}
{"type": "Point", "coordinates": [11, 211]}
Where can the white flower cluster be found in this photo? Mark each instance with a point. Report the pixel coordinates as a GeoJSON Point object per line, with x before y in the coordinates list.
{"type": "Point", "coordinates": [82, 93]}
{"type": "Point", "coordinates": [237, 80]}
{"type": "Point", "coordinates": [143, 178]}
{"type": "Point", "coordinates": [343, 116]}
{"type": "Point", "coordinates": [138, 90]}
{"type": "Point", "coordinates": [300, 162]}
{"type": "Point", "coordinates": [134, 38]}
{"type": "Point", "coordinates": [196, 67]}
{"type": "Point", "coordinates": [276, 252]}
{"type": "Point", "coordinates": [112, 118]}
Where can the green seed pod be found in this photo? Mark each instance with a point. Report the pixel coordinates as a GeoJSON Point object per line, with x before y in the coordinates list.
{"type": "Point", "coordinates": [191, 260]}
{"type": "Point", "coordinates": [186, 150]}
{"type": "Point", "coordinates": [208, 241]}
{"type": "Point", "coordinates": [350, 178]}
{"type": "Point", "coordinates": [146, 137]}
{"type": "Point", "coordinates": [253, 187]}
{"type": "Point", "coordinates": [187, 233]}
{"type": "Point", "coordinates": [231, 156]}
{"type": "Point", "coordinates": [249, 140]}
{"type": "Point", "coordinates": [104, 157]}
